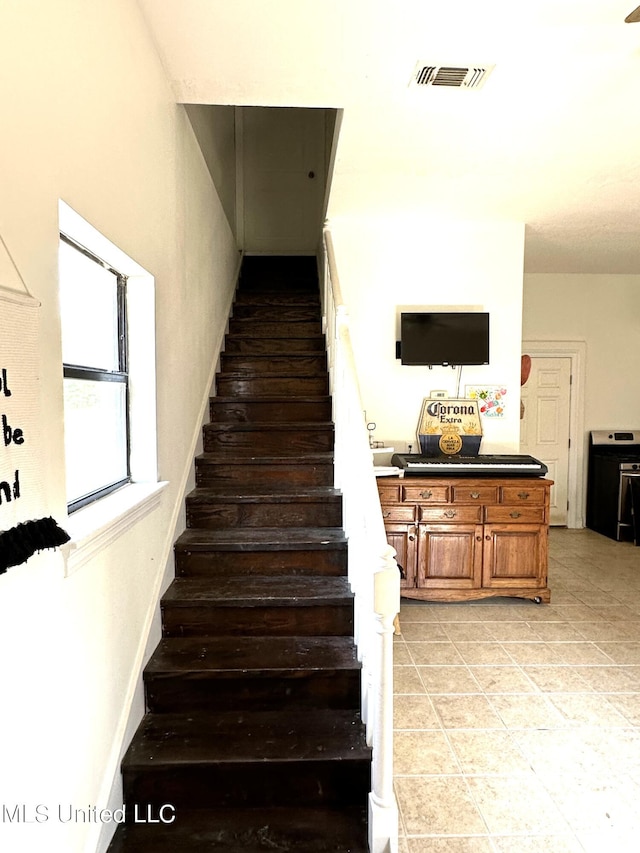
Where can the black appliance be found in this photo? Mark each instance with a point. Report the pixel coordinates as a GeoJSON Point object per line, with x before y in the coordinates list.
{"type": "Point", "coordinates": [613, 478]}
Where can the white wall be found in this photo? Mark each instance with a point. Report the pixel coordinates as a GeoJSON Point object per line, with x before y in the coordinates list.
{"type": "Point", "coordinates": [604, 312]}
{"type": "Point", "coordinates": [87, 117]}
{"type": "Point", "coordinates": [214, 127]}
{"type": "Point", "coordinates": [386, 263]}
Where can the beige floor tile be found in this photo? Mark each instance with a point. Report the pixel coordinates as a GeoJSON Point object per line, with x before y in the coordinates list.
{"type": "Point", "coordinates": [487, 752]}
{"type": "Point", "coordinates": [611, 679]}
{"type": "Point", "coordinates": [466, 844]}
{"type": "Point", "coordinates": [448, 679]}
{"type": "Point", "coordinates": [537, 706]}
{"type": "Point", "coordinates": [539, 844]}
{"type": "Point", "coordinates": [466, 712]}
{"type": "Point", "coordinates": [579, 653]}
{"type": "Point", "coordinates": [401, 656]}
{"type": "Point", "coordinates": [407, 680]}
{"type": "Point", "coordinates": [526, 711]}
{"type": "Point", "coordinates": [557, 679]}
{"type": "Point", "coordinates": [628, 705]}
{"type": "Point", "coordinates": [420, 753]}
{"type": "Point", "coordinates": [513, 631]}
{"type": "Point", "coordinates": [414, 712]}
{"type": "Point", "coordinates": [502, 679]}
{"type": "Point", "coordinates": [483, 653]}
{"type": "Point", "coordinates": [413, 632]}
{"type": "Point", "coordinates": [438, 805]}
{"type": "Point", "coordinates": [590, 709]}
{"type": "Point", "coordinates": [532, 653]}
{"type": "Point", "coordinates": [516, 804]}
{"type": "Point", "coordinates": [621, 652]}
{"type": "Point", "coordinates": [435, 654]}
{"type": "Point", "coordinates": [466, 632]}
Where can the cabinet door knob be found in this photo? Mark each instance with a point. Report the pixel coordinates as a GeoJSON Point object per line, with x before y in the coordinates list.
{"type": "Point", "coordinates": [523, 495]}
{"type": "Point", "coordinates": [449, 513]}
{"type": "Point", "coordinates": [478, 538]}
{"type": "Point", "coordinates": [475, 495]}
{"type": "Point", "coordinates": [515, 514]}
{"type": "Point", "coordinates": [426, 495]}
{"type": "Point", "coordinates": [411, 538]}
{"type": "Point", "coordinates": [487, 537]}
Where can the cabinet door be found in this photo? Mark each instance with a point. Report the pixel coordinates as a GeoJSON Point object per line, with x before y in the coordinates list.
{"type": "Point", "coordinates": [515, 555]}
{"type": "Point", "coordinates": [449, 556]}
{"type": "Point", "coordinates": [403, 537]}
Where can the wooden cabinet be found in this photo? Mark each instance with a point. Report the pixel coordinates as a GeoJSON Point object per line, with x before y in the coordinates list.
{"type": "Point", "coordinates": [457, 539]}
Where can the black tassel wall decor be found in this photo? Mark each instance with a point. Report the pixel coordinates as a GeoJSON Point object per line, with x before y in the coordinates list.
{"type": "Point", "coordinates": [21, 542]}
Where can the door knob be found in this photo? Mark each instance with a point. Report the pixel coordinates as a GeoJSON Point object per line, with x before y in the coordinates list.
{"type": "Point", "coordinates": [312, 175]}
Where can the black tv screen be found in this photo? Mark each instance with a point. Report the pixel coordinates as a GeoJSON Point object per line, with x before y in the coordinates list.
{"type": "Point", "coordinates": [444, 338]}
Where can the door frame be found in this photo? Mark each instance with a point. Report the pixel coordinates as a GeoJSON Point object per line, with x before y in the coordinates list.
{"type": "Point", "coordinates": [576, 351]}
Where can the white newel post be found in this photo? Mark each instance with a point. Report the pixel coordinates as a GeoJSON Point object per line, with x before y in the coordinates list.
{"type": "Point", "coordinates": [383, 809]}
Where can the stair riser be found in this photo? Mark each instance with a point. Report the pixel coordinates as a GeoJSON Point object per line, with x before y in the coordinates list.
{"type": "Point", "coordinates": [208, 474]}
{"type": "Point", "coordinates": [259, 783]}
{"type": "Point", "coordinates": [257, 346]}
{"type": "Point", "coordinates": [303, 386]}
{"type": "Point", "coordinates": [264, 692]}
{"type": "Point", "coordinates": [270, 411]}
{"type": "Point", "coordinates": [327, 563]}
{"type": "Point", "coordinates": [285, 365]}
{"type": "Point", "coordinates": [218, 517]}
{"type": "Point", "coordinates": [268, 442]}
{"type": "Point", "coordinates": [293, 621]}
{"type": "Point", "coordinates": [265, 329]}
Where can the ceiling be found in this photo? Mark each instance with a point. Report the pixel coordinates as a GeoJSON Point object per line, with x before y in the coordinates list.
{"type": "Point", "coordinates": [551, 139]}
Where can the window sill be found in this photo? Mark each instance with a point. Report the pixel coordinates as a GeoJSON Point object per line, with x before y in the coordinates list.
{"type": "Point", "coordinates": [98, 525]}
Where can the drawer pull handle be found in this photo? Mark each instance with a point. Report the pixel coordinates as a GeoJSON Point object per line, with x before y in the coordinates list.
{"type": "Point", "coordinates": [515, 514]}
{"type": "Point", "coordinates": [475, 495]}
{"type": "Point", "coordinates": [426, 495]}
{"type": "Point", "coordinates": [386, 513]}
{"type": "Point", "coordinates": [449, 513]}
{"type": "Point", "coordinates": [523, 495]}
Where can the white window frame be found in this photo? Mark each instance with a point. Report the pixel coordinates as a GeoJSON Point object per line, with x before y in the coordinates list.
{"type": "Point", "coordinates": [98, 524]}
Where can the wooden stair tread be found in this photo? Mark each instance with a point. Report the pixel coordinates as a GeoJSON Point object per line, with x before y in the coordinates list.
{"type": "Point", "coordinates": [258, 538]}
{"type": "Point", "coordinates": [246, 830]}
{"type": "Point", "coordinates": [306, 457]}
{"type": "Point", "coordinates": [267, 656]}
{"type": "Point", "coordinates": [284, 426]}
{"type": "Point", "coordinates": [229, 737]}
{"type": "Point", "coordinates": [279, 493]}
{"type": "Point", "coordinates": [263, 590]}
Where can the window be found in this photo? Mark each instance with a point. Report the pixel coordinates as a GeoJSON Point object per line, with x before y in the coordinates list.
{"type": "Point", "coordinates": [96, 380]}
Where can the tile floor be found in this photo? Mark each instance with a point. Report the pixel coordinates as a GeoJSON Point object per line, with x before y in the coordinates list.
{"type": "Point", "coordinates": [517, 725]}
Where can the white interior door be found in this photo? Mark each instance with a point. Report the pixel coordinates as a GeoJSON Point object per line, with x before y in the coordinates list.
{"type": "Point", "coordinates": [283, 179]}
{"type": "Point", "coordinates": [544, 427]}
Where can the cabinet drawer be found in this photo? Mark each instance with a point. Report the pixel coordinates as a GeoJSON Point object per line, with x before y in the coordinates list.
{"type": "Point", "coordinates": [389, 493]}
{"type": "Point", "coordinates": [398, 512]}
{"type": "Point", "coordinates": [455, 514]}
{"type": "Point", "coordinates": [522, 494]}
{"type": "Point", "coordinates": [516, 514]}
{"type": "Point", "coordinates": [434, 494]}
{"type": "Point", "coordinates": [475, 494]}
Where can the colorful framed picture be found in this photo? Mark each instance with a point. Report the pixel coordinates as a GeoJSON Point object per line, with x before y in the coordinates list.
{"type": "Point", "coordinates": [491, 399]}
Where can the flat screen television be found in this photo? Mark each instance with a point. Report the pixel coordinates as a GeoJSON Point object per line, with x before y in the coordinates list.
{"type": "Point", "coordinates": [441, 337]}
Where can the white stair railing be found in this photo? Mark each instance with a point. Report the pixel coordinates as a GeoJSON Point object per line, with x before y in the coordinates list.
{"type": "Point", "coordinates": [373, 571]}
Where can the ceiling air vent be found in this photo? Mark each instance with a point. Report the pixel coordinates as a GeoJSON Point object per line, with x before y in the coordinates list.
{"type": "Point", "coordinates": [450, 76]}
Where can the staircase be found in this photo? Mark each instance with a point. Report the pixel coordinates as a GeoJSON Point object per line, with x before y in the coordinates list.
{"type": "Point", "coordinates": [252, 738]}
